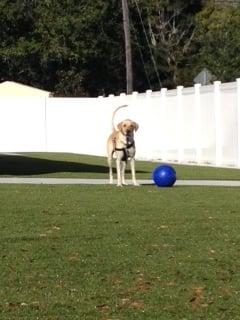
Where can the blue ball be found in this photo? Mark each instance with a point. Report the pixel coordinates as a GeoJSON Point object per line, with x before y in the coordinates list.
{"type": "Point", "coordinates": [164, 176]}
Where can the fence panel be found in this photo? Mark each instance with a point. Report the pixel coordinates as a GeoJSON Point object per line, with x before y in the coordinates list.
{"type": "Point", "coordinates": [207, 127]}
{"type": "Point", "coordinates": [186, 125]}
{"type": "Point", "coordinates": [22, 124]}
{"type": "Point", "coordinates": [189, 126]}
{"type": "Point", "coordinates": [79, 125]}
{"type": "Point", "coordinates": [229, 124]}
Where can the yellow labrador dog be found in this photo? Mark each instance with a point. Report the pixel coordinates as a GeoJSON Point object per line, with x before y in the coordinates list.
{"type": "Point", "coordinates": [121, 143]}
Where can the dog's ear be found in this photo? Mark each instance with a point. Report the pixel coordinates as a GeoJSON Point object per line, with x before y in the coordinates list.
{"type": "Point", "coordinates": [136, 126]}
{"type": "Point", "coordinates": [119, 126]}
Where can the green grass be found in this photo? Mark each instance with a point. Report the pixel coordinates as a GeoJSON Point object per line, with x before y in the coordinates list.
{"type": "Point", "coordinates": [79, 166]}
{"type": "Point", "coordinates": [102, 252]}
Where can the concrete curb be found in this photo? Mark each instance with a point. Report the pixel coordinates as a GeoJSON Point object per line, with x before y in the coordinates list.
{"type": "Point", "coordinates": [75, 181]}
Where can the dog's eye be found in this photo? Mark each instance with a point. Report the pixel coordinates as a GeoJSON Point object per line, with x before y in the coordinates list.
{"type": "Point", "coordinates": [124, 125]}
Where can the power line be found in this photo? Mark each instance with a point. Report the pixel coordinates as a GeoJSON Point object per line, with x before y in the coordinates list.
{"type": "Point", "coordinates": [142, 58]}
{"type": "Point", "coordinates": [148, 43]}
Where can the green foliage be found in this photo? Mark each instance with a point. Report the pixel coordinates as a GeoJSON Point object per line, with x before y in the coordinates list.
{"type": "Point", "coordinates": [219, 42]}
{"type": "Point", "coordinates": [76, 48]}
{"type": "Point", "coordinates": [60, 46]}
{"type": "Point", "coordinates": [166, 41]}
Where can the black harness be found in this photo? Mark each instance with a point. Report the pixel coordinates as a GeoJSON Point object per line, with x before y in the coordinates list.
{"type": "Point", "coordinates": [125, 151]}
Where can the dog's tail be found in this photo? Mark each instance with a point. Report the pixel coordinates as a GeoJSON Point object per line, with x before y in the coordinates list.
{"type": "Point", "coordinates": [114, 113]}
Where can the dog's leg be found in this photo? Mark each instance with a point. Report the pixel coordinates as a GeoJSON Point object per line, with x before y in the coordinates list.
{"type": "Point", "coordinates": [123, 172]}
{"type": "Point", "coordinates": [110, 170]}
{"type": "Point", "coordinates": [119, 174]}
{"type": "Point", "coordinates": [132, 164]}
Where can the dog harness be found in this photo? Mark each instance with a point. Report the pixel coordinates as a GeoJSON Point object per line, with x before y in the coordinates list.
{"type": "Point", "coordinates": [125, 151]}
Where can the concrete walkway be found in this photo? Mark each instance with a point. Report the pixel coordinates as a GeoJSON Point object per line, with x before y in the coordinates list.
{"type": "Point", "coordinates": [67, 181]}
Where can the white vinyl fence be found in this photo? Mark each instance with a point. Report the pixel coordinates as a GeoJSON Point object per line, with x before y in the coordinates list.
{"type": "Point", "coordinates": [198, 125]}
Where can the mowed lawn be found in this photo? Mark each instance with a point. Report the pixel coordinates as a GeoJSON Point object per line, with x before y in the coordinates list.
{"type": "Point", "coordinates": [102, 252]}
{"type": "Point", "coordinates": [84, 166]}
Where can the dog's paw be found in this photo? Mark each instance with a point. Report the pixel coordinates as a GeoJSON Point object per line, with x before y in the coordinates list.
{"type": "Point", "coordinates": [136, 184]}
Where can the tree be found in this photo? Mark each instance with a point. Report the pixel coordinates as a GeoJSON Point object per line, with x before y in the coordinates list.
{"type": "Point", "coordinates": [76, 48]}
{"type": "Point", "coordinates": [218, 40]}
{"type": "Point", "coordinates": [16, 30]}
{"type": "Point", "coordinates": [68, 47]}
{"type": "Point", "coordinates": [168, 29]}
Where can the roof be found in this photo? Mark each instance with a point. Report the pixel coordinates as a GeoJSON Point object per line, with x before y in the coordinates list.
{"type": "Point", "coordinates": [15, 89]}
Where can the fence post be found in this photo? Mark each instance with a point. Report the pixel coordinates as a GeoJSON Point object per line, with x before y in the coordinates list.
{"type": "Point", "coordinates": [134, 96]}
{"type": "Point", "coordinates": [197, 124]}
{"type": "Point", "coordinates": [148, 93]}
{"type": "Point", "coordinates": [149, 129]}
{"type": "Point", "coordinates": [180, 126]}
{"type": "Point", "coordinates": [238, 122]}
{"type": "Point", "coordinates": [45, 123]}
{"type": "Point", "coordinates": [218, 123]}
{"type": "Point", "coordinates": [163, 122]}
{"type": "Point", "coordinates": [110, 98]}
{"type": "Point", "coordinates": [123, 98]}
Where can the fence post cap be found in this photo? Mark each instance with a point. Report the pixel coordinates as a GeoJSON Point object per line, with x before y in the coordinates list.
{"type": "Point", "coordinates": [217, 83]}
{"type": "Point", "coordinates": [180, 88]}
{"type": "Point", "coordinates": [197, 85]}
{"type": "Point", "coordinates": [149, 92]}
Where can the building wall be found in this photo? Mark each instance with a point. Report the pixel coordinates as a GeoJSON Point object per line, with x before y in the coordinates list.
{"type": "Point", "coordinates": [13, 89]}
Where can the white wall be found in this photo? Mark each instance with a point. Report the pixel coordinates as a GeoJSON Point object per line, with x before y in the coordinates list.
{"type": "Point", "coordinates": [187, 125]}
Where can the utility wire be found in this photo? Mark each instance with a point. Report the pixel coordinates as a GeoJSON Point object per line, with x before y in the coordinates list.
{"type": "Point", "coordinates": [142, 58]}
{"type": "Point", "coordinates": [148, 43]}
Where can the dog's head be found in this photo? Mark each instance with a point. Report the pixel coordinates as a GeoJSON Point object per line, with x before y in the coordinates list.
{"type": "Point", "coordinates": [127, 127]}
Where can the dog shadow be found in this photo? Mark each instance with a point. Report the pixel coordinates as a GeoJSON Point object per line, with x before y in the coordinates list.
{"type": "Point", "coordinates": [27, 165]}
{"type": "Point", "coordinates": [20, 165]}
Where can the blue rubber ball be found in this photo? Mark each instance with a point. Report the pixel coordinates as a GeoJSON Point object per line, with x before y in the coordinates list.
{"type": "Point", "coordinates": [164, 176]}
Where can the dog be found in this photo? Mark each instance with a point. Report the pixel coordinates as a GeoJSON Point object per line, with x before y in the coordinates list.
{"type": "Point", "coordinates": [121, 144]}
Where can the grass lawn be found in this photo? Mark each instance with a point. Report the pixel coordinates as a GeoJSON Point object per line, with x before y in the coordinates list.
{"type": "Point", "coordinates": [108, 253]}
{"type": "Point", "coordinates": [79, 166]}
